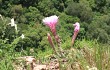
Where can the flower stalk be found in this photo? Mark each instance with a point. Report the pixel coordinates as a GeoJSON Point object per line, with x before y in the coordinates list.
{"type": "Point", "coordinates": [51, 43]}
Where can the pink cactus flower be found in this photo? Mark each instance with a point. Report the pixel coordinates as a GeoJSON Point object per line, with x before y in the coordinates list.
{"type": "Point", "coordinates": [77, 27]}
{"type": "Point", "coordinates": [76, 31]}
{"type": "Point", "coordinates": [51, 22]}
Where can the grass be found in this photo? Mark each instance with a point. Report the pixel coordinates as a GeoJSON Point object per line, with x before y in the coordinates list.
{"type": "Point", "coordinates": [85, 55]}
{"type": "Point", "coordinates": [89, 54]}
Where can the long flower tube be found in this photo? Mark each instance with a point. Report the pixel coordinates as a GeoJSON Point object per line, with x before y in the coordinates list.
{"type": "Point", "coordinates": [76, 31]}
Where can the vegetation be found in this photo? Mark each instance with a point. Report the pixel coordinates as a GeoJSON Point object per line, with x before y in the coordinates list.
{"type": "Point", "coordinates": [94, 19]}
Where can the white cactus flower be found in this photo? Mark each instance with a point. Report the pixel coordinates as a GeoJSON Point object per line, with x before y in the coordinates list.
{"type": "Point", "coordinates": [1, 16]}
{"type": "Point", "coordinates": [12, 22]}
{"type": "Point", "coordinates": [22, 36]}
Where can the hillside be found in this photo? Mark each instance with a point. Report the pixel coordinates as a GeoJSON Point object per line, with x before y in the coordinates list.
{"type": "Point", "coordinates": [74, 33]}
